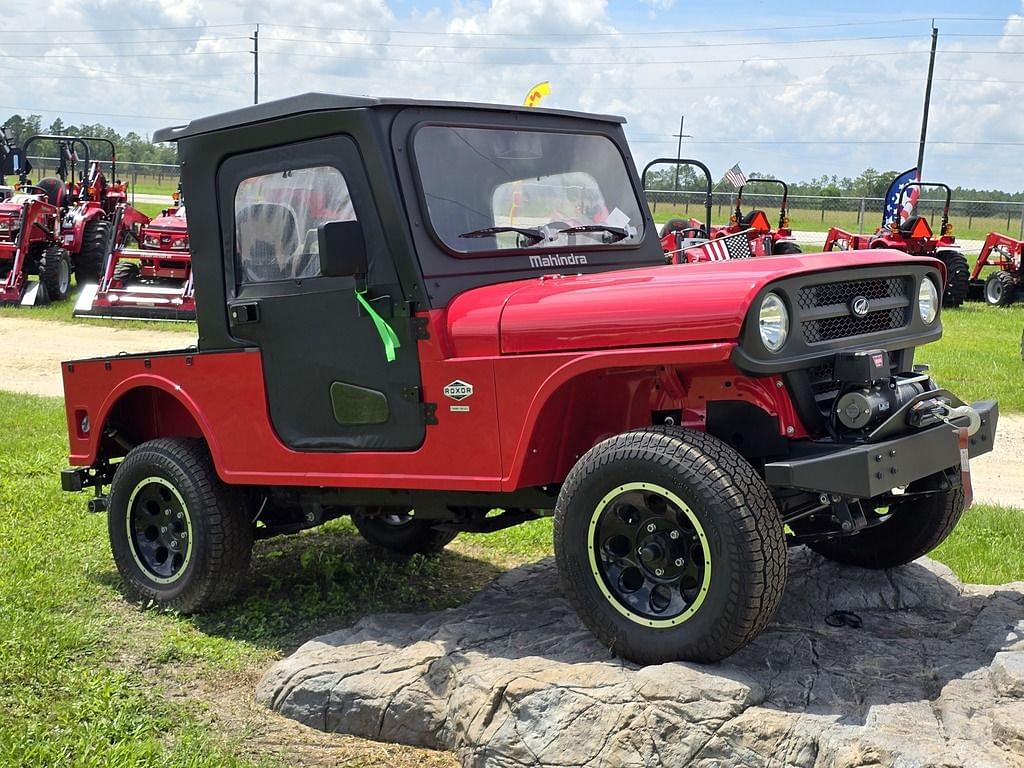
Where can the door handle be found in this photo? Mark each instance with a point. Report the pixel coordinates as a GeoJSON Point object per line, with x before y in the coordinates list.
{"type": "Point", "coordinates": [245, 312]}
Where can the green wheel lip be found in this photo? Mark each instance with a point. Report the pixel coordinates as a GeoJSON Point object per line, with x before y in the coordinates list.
{"type": "Point", "coordinates": [599, 579]}
{"type": "Point", "coordinates": [131, 540]}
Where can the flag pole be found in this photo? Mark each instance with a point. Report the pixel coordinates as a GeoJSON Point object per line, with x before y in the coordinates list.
{"type": "Point", "coordinates": [927, 101]}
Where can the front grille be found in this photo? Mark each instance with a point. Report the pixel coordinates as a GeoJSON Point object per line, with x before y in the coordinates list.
{"type": "Point", "coordinates": [825, 313]}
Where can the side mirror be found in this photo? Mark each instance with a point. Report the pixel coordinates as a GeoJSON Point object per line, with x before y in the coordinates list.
{"type": "Point", "coordinates": [342, 249]}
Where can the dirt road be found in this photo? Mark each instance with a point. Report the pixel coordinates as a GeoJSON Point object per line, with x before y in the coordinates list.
{"type": "Point", "coordinates": [34, 349]}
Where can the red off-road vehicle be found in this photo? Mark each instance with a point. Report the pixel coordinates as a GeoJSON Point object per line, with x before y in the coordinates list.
{"type": "Point", "coordinates": [377, 340]}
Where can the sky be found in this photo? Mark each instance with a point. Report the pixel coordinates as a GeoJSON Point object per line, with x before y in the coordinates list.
{"type": "Point", "coordinates": [796, 89]}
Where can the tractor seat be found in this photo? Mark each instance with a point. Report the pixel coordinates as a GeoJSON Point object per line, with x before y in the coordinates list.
{"type": "Point", "coordinates": [54, 188]}
{"type": "Point", "coordinates": [907, 225]}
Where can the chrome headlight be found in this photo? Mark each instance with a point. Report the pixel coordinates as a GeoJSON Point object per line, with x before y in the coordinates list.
{"type": "Point", "coordinates": [773, 322]}
{"type": "Point", "coordinates": [927, 301]}
{"type": "Point", "coordinates": [151, 241]}
{"type": "Point", "coordinates": [5, 225]}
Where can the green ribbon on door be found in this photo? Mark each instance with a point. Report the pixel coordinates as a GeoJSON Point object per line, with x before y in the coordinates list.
{"type": "Point", "coordinates": [387, 334]}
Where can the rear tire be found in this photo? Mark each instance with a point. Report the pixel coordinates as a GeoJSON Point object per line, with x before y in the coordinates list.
{"type": "Point", "coordinates": [92, 257]}
{"type": "Point", "coordinates": [400, 532]}
{"type": "Point", "coordinates": [55, 273]}
{"type": "Point", "coordinates": [679, 502]}
{"type": "Point", "coordinates": [1000, 289]}
{"type": "Point", "coordinates": [915, 527]}
{"type": "Point", "coordinates": [958, 277]}
{"type": "Point", "coordinates": [786, 248]}
{"type": "Point", "coordinates": [180, 537]}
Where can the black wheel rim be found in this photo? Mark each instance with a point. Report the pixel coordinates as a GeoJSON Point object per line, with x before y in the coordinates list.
{"type": "Point", "coordinates": [650, 555]}
{"type": "Point", "coordinates": [159, 530]}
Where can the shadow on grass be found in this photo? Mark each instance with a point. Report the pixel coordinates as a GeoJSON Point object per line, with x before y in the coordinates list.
{"type": "Point", "coordinates": [322, 580]}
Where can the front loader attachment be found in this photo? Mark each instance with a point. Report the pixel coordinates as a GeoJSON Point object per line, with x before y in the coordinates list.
{"type": "Point", "coordinates": [150, 283]}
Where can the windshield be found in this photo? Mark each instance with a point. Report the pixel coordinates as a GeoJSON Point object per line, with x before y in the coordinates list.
{"type": "Point", "coordinates": [491, 190]}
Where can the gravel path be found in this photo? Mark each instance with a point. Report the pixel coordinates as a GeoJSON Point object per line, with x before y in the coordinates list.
{"type": "Point", "coordinates": [34, 349]}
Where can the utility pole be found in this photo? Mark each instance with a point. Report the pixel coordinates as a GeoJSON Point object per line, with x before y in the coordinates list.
{"type": "Point", "coordinates": [679, 149]}
{"type": "Point", "coordinates": [927, 102]}
{"type": "Point", "coordinates": [256, 65]}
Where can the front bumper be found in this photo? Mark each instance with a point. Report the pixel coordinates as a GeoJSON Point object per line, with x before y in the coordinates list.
{"type": "Point", "coordinates": [866, 470]}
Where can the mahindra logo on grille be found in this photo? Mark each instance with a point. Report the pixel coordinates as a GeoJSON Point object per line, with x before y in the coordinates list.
{"type": "Point", "coordinates": [859, 306]}
{"type": "Point", "coordinates": [458, 390]}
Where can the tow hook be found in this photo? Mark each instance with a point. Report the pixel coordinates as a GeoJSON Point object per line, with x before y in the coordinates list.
{"type": "Point", "coordinates": [97, 504]}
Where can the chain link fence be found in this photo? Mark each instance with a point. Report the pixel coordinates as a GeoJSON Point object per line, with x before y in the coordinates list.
{"type": "Point", "coordinates": [971, 219]}
{"type": "Point", "coordinates": [145, 178]}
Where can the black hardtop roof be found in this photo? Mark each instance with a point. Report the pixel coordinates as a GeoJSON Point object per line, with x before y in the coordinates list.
{"type": "Point", "coordinates": [319, 102]}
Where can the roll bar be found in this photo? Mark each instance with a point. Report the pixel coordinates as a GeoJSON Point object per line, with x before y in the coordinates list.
{"type": "Point", "coordinates": [783, 209]}
{"type": "Point", "coordinates": [678, 163]}
{"type": "Point", "coordinates": [933, 185]}
{"type": "Point", "coordinates": [72, 142]}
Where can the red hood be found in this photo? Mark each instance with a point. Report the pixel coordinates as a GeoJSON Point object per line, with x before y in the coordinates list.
{"type": "Point", "coordinates": [683, 304]}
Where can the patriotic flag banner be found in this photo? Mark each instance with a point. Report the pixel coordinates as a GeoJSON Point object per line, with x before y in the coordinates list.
{"type": "Point", "coordinates": [735, 176]}
{"type": "Point", "coordinates": [892, 197]}
{"type": "Point", "coordinates": [726, 248]}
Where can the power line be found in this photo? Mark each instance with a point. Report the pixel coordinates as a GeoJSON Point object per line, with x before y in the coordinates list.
{"type": "Point", "coordinates": [6, 44]}
{"type": "Point", "coordinates": [676, 46]}
{"type": "Point", "coordinates": [62, 111]}
{"type": "Point", "coordinates": [125, 55]}
{"type": "Point", "coordinates": [593, 63]}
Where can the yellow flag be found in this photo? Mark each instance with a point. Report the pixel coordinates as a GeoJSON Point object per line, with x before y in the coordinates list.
{"type": "Point", "coordinates": [538, 92]}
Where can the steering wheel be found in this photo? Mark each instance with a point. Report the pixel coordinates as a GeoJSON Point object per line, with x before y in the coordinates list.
{"type": "Point", "coordinates": [32, 189]}
{"type": "Point", "coordinates": [697, 232]}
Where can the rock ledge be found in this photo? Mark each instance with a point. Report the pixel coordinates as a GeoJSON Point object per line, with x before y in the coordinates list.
{"type": "Point", "coordinates": [934, 677]}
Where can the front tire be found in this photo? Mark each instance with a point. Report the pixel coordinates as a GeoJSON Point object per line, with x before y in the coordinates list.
{"type": "Point", "coordinates": [55, 273]}
{"type": "Point", "coordinates": [180, 537]}
{"type": "Point", "coordinates": [914, 528]}
{"type": "Point", "coordinates": [958, 278]}
{"type": "Point", "coordinates": [400, 532]}
{"type": "Point", "coordinates": [669, 546]}
{"type": "Point", "coordinates": [1000, 289]}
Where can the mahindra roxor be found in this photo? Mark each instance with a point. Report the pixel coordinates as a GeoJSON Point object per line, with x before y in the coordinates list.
{"type": "Point", "coordinates": [441, 317]}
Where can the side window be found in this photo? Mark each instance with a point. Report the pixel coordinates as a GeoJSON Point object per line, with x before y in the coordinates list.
{"type": "Point", "coordinates": [276, 220]}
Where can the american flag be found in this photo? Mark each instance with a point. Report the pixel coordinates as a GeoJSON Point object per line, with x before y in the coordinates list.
{"type": "Point", "coordinates": [720, 249]}
{"type": "Point", "coordinates": [892, 197]}
{"type": "Point", "coordinates": [736, 177]}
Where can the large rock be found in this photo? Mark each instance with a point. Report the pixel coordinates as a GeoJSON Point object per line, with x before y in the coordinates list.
{"type": "Point", "coordinates": [934, 677]}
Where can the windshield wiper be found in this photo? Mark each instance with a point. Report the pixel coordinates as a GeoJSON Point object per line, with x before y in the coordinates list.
{"type": "Point", "coordinates": [533, 236]}
{"type": "Point", "coordinates": [613, 234]}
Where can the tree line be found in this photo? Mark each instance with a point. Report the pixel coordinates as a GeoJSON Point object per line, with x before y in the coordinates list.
{"type": "Point", "coordinates": [131, 146]}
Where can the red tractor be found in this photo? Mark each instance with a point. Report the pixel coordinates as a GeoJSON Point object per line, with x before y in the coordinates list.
{"type": "Point", "coordinates": [61, 225]}
{"type": "Point", "coordinates": [765, 241]}
{"type": "Point", "coordinates": [152, 281]}
{"type": "Point", "coordinates": [688, 241]}
{"type": "Point", "coordinates": [386, 352]}
{"type": "Point", "coordinates": [1001, 287]}
{"type": "Point", "coordinates": [913, 235]}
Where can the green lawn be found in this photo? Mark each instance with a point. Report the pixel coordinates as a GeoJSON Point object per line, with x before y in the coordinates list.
{"type": "Point", "coordinates": [86, 679]}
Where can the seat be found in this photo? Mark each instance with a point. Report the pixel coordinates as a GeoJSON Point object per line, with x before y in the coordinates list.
{"type": "Point", "coordinates": [55, 190]}
{"type": "Point", "coordinates": [267, 244]}
{"type": "Point", "coordinates": [908, 224]}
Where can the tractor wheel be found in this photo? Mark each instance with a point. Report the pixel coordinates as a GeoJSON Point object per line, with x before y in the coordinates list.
{"type": "Point", "coordinates": [1000, 289]}
{"type": "Point", "coordinates": [913, 528]}
{"type": "Point", "coordinates": [669, 546]}
{"type": "Point", "coordinates": [126, 272]}
{"type": "Point", "coordinates": [958, 276]}
{"type": "Point", "coordinates": [786, 248]}
{"type": "Point", "coordinates": [180, 537]}
{"type": "Point", "coordinates": [90, 260]}
{"type": "Point", "coordinates": [55, 273]}
{"type": "Point", "coordinates": [401, 532]}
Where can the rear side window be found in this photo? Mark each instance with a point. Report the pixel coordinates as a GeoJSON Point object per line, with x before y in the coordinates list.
{"type": "Point", "coordinates": [276, 220]}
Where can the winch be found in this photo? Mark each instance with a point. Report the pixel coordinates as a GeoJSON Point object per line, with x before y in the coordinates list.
{"type": "Point", "coordinates": [871, 391]}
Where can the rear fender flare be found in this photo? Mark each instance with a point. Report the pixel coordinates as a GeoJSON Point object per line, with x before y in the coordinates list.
{"type": "Point", "coordinates": [169, 388]}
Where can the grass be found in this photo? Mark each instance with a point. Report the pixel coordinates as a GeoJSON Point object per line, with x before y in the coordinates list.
{"type": "Point", "coordinates": [89, 680]}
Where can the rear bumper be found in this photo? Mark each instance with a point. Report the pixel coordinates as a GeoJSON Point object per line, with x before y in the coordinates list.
{"type": "Point", "coordinates": [871, 469]}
